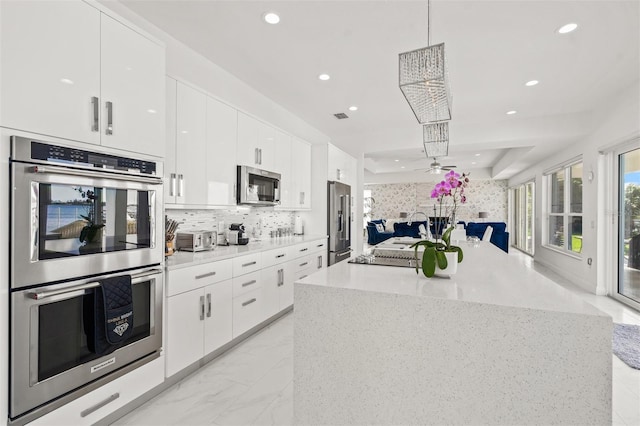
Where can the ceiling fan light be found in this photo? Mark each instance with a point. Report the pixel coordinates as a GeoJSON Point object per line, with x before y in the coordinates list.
{"type": "Point", "coordinates": [424, 82]}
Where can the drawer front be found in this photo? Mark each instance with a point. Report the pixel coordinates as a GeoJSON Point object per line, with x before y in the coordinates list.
{"type": "Point", "coordinates": [302, 273]}
{"type": "Point", "coordinates": [300, 250]}
{"type": "Point", "coordinates": [275, 257]}
{"type": "Point", "coordinates": [246, 283]}
{"type": "Point", "coordinates": [198, 276]}
{"type": "Point", "coordinates": [94, 406]}
{"type": "Point", "coordinates": [247, 311]}
{"type": "Point", "coordinates": [302, 263]}
{"type": "Point", "coordinates": [319, 245]}
{"type": "Point", "coordinates": [246, 264]}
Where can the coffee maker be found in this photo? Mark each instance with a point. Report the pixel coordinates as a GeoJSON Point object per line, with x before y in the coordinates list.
{"type": "Point", "coordinates": [237, 234]}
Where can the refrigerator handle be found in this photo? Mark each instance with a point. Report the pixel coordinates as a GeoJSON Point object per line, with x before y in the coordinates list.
{"type": "Point", "coordinates": [348, 218]}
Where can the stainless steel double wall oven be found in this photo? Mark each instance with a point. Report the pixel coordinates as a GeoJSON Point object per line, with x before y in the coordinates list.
{"type": "Point", "coordinates": [78, 217]}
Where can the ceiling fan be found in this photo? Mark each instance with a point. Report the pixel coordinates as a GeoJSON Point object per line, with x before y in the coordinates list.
{"type": "Point", "coordinates": [437, 168]}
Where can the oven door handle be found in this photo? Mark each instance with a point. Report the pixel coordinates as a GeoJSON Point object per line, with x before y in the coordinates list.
{"type": "Point", "coordinates": [40, 295]}
{"type": "Point", "coordinates": [94, 174]}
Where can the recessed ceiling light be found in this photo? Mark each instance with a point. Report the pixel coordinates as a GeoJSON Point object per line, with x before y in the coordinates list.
{"type": "Point", "coordinates": [396, 160]}
{"type": "Point", "coordinates": [353, 108]}
{"type": "Point", "coordinates": [402, 167]}
{"type": "Point", "coordinates": [184, 132]}
{"type": "Point", "coordinates": [477, 155]}
{"type": "Point", "coordinates": [473, 162]}
{"type": "Point", "coordinates": [567, 28]}
{"type": "Point", "coordinates": [271, 18]}
{"type": "Point", "coordinates": [324, 77]}
{"type": "Point", "coordinates": [531, 83]}
{"type": "Point", "coordinates": [151, 111]}
{"type": "Point", "coordinates": [66, 81]}
{"type": "Point", "coordinates": [511, 112]}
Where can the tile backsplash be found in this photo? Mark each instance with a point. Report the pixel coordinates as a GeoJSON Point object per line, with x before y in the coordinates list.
{"type": "Point", "coordinates": [258, 222]}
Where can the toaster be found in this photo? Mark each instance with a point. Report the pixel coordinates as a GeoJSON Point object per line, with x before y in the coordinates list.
{"type": "Point", "coordinates": [196, 240]}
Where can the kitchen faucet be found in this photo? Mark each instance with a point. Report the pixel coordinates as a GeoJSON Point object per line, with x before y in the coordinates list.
{"type": "Point", "coordinates": [424, 233]}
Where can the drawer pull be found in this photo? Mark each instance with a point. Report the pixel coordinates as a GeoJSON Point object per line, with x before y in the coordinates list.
{"type": "Point", "coordinates": [208, 274]}
{"type": "Point", "coordinates": [248, 283]}
{"type": "Point", "coordinates": [304, 276]}
{"type": "Point", "coordinates": [304, 249]}
{"type": "Point", "coordinates": [279, 256]}
{"type": "Point", "coordinates": [320, 245]}
{"type": "Point", "coordinates": [248, 264]}
{"type": "Point", "coordinates": [248, 302]}
{"type": "Point", "coordinates": [99, 405]}
{"type": "Point", "coordinates": [303, 264]}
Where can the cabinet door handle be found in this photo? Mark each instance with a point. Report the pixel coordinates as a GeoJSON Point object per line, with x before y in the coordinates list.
{"type": "Point", "coordinates": [244, 265]}
{"type": "Point", "coordinates": [109, 130]}
{"type": "Point", "coordinates": [95, 102]}
{"type": "Point", "coordinates": [255, 156]}
{"type": "Point", "coordinates": [320, 245]}
{"type": "Point", "coordinates": [180, 185]}
{"type": "Point", "coordinates": [304, 249]}
{"type": "Point", "coordinates": [99, 405]}
{"type": "Point", "coordinates": [279, 256]}
{"type": "Point", "coordinates": [208, 274]}
{"type": "Point", "coordinates": [172, 184]}
{"type": "Point", "coordinates": [208, 305]}
{"type": "Point", "coordinates": [303, 264]}
{"type": "Point", "coordinates": [201, 308]}
{"type": "Point", "coordinates": [248, 283]}
{"type": "Point", "coordinates": [280, 277]}
{"type": "Point", "coordinates": [319, 261]}
{"type": "Point", "coordinates": [337, 174]}
{"type": "Point", "coordinates": [260, 155]}
{"type": "Point", "coordinates": [248, 302]}
{"type": "Point", "coordinates": [304, 276]}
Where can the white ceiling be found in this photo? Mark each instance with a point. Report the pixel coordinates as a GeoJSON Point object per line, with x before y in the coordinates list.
{"type": "Point", "coordinates": [493, 48]}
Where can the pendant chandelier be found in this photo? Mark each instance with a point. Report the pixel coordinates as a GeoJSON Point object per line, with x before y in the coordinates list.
{"type": "Point", "coordinates": [424, 81]}
{"type": "Point", "coordinates": [436, 139]}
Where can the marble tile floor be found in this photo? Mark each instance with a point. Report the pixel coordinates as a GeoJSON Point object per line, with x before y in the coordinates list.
{"type": "Point", "coordinates": [252, 383]}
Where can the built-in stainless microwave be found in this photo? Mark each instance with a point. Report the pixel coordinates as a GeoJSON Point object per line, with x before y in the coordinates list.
{"type": "Point", "coordinates": [257, 187]}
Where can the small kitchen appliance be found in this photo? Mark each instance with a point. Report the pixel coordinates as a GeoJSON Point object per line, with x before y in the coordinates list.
{"type": "Point", "coordinates": [237, 234]}
{"type": "Point", "coordinates": [196, 240]}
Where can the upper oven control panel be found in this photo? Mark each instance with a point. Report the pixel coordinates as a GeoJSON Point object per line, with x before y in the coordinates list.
{"type": "Point", "coordinates": [62, 154]}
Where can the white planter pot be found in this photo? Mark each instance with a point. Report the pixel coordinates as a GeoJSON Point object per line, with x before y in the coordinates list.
{"type": "Point", "coordinates": [452, 265]}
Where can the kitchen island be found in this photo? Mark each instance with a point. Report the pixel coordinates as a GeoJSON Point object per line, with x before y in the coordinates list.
{"type": "Point", "coordinates": [498, 343]}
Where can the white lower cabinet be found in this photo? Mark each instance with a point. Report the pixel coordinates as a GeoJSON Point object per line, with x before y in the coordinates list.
{"type": "Point", "coordinates": [276, 284]}
{"type": "Point", "coordinates": [96, 405]}
{"type": "Point", "coordinates": [199, 319]}
{"type": "Point", "coordinates": [247, 311]}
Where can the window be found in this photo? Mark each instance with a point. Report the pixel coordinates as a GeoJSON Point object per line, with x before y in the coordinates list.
{"type": "Point", "coordinates": [522, 217]}
{"type": "Point", "coordinates": [564, 212]}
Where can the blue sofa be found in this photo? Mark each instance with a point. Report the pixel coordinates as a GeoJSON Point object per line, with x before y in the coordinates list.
{"type": "Point", "coordinates": [373, 235]}
{"type": "Point", "coordinates": [499, 237]}
{"type": "Point", "coordinates": [403, 229]}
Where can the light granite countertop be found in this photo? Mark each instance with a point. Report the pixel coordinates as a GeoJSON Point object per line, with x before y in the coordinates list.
{"type": "Point", "coordinates": [184, 259]}
{"type": "Point", "coordinates": [486, 275]}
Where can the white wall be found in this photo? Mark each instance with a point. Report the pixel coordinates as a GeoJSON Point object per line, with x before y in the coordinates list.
{"type": "Point", "coordinates": [619, 121]}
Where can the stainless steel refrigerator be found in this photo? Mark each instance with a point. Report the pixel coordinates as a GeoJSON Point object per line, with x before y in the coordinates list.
{"type": "Point", "coordinates": [339, 221]}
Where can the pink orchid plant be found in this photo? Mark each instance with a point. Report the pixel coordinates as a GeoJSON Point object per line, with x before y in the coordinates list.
{"type": "Point", "coordinates": [449, 193]}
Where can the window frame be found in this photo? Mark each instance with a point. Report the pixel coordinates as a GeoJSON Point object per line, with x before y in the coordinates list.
{"type": "Point", "coordinates": [566, 214]}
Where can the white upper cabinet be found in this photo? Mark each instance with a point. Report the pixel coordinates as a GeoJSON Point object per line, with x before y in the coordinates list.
{"type": "Point", "coordinates": [341, 166]}
{"type": "Point", "coordinates": [132, 90]}
{"type": "Point", "coordinates": [170, 173]}
{"type": "Point", "coordinates": [50, 68]}
{"type": "Point", "coordinates": [191, 161]}
{"type": "Point", "coordinates": [284, 167]}
{"type": "Point", "coordinates": [301, 168]}
{"type": "Point", "coordinates": [221, 128]}
{"type": "Point", "coordinates": [256, 143]}
{"type": "Point", "coordinates": [62, 61]}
